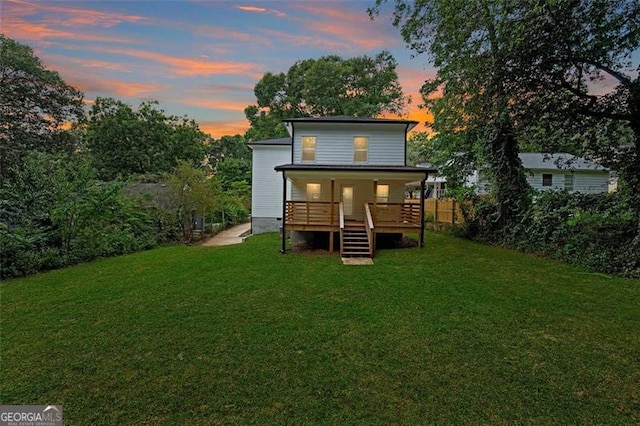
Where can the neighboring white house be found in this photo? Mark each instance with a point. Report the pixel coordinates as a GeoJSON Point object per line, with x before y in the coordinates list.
{"type": "Point", "coordinates": [564, 172]}
{"type": "Point", "coordinates": [545, 172]}
{"type": "Point", "coordinates": [341, 176]}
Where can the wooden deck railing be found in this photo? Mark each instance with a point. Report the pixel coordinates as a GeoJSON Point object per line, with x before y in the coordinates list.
{"type": "Point", "coordinates": [311, 212]}
{"type": "Point", "coordinates": [326, 213]}
{"type": "Point", "coordinates": [398, 214]}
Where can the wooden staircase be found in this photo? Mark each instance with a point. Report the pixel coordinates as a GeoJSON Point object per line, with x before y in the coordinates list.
{"type": "Point", "coordinates": [354, 241]}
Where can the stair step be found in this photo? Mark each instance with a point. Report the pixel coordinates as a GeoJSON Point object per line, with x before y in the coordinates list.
{"type": "Point", "coordinates": [355, 240]}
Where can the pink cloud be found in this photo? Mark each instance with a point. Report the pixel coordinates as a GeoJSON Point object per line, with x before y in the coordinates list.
{"type": "Point", "coordinates": [70, 16]}
{"type": "Point", "coordinates": [35, 32]}
{"type": "Point", "coordinates": [126, 89]}
{"type": "Point", "coordinates": [182, 66]}
{"type": "Point", "coordinates": [261, 10]}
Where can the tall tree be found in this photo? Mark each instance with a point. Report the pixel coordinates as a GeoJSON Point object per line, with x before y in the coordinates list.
{"type": "Point", "coordinates": [36, 105]}
{"type": "Point", "coordinates": [126, 142]}
{"type": "Point", "coordinates": [475, 63]}
{"type": "Point", "coordinates": [362, 86]}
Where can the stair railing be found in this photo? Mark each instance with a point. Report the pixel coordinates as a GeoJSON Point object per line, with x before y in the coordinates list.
{"type": "Point", "coordinates": [341, 210]}
{"type": "Point", "coordinates": [368, 224]}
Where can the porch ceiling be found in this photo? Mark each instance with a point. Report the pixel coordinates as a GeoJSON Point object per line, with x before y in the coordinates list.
{"type": "Point", "coordinates": [400, 173]}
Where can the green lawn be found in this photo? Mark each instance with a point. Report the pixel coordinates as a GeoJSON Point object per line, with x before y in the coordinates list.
{"type": "Point", "coordinates": [455, 332]}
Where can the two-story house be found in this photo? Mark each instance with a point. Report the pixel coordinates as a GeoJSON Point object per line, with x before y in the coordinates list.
{"type": "Point", "coordinates": [343, 177]}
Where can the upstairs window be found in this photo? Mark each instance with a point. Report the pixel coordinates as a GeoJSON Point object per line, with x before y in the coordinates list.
{"type": "Point", "coordinates": [360, 149]}
{"type": "Point", "coordinates": [547, 179]}
{"type": "Point", "coordinates": [309, 148]}
{"type": "Point", "coordinates": [314, 191]}
{"type": "Point", "coordinates": [382, 194]}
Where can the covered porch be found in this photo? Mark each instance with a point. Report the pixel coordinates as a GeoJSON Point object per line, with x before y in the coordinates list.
{"type": "Point", "coordinates": [353, 203]}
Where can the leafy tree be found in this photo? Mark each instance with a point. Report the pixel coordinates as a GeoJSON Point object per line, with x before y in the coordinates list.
{"type": "Point", "coordinates": [227, 147]}
{"type": "Point", "coordinates": [127, 142]}
{"type": "Point", "coordinates": [233, 170]}
{"type": "Point", "coordinates": [417, 148]}
{"type": "Point", "coordinates": [190, 193]}
{"type": "Point", "coordinates": [35, 106]}
{"type": "Point", "coordinates": [362, 86]}
{"type": "Point", "coordinates": [475, 59]}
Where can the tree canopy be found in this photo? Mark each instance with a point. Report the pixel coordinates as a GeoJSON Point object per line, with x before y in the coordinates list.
{"type": "Point", "coordinates": [36, 105]}
{"type": "Point", "coordinates": [362, 86]}
{"type": "Point", "coordinates": [126, 142]}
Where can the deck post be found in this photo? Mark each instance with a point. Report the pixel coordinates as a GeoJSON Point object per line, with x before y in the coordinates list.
{"type": "Point", "coordinates": [422, 188]}
{"type": "Point", "coordinates": [284, 213]}
{"type": "Point", "coordinates": [331, 213]}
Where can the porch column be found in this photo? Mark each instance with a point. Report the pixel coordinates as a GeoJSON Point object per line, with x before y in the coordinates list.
{"type": "Point", "coordinates": [422, 188]}
{"type": "Point", "coordinates": [333, 216]}
{"type": "Point", "coordinates": [284, 213]}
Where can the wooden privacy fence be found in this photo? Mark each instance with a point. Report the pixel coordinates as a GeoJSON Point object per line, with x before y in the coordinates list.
{"type": "Point", "coordinates": [443, 210]}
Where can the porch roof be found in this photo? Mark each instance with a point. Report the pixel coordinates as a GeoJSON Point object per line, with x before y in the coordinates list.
{"type": "Point", "coordinates": [366, 171]}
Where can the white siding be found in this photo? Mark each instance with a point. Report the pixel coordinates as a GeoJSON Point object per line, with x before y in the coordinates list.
{"type": "Point", "coordinates": [266, 199]}
{"type": "Point", "coordinates": [585, 182]}
{"type": "Point", "coordinates": [334, 143]}
{"type": "Point", "coordinates": [591, 183]}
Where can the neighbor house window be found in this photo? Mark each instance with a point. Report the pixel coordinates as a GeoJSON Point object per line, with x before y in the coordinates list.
{"type": "Point", "coordinates": [547, 179]}
{"type": "Point", "coordinates": [382, 194]}
{"type": "Point", "coordinates": [568, 182]}
{"type": "Point", "coordinates": [314, 190]}
{"type": "Point", "coordinates": [308, 148]}
{"type": "Point", "coordinates": [360, 149]}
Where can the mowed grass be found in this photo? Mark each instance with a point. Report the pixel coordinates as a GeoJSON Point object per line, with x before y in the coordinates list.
{"type": "Point", "coordinates": [455, 332]}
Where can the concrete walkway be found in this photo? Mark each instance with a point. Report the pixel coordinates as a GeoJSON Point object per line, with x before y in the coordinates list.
{"type": "Point", "coordinates": [233, 235]}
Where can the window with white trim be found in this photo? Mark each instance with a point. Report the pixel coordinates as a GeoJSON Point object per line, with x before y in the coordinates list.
{"type": "Point", "coordinates": [314, 191]}
{"type": "Point", "coordinates": [382, 194]}
{"type": "Point", "coordinates": [309, 148]}
{"type": "Point", "coordinates": [547, 179]}
{"type": "Point", "coordinates": [360, 149]}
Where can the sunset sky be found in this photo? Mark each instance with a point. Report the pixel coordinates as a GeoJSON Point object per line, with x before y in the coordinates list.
{"type": "Point", "coordinates": [201, 58]}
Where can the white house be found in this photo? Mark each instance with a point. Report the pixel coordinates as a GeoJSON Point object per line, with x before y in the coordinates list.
{"type": "Point", "coordinates": [544, 172]}
{"type": "Point", "coordinates": [564, 172]}
{"type": "Point", "coordinates": [342, 177]}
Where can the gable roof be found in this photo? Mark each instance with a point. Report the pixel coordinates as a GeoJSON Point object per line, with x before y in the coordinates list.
{"type": "Point", "coordinates": [559, 161]}
{"type": "Point", "coordinates": [350, 119]}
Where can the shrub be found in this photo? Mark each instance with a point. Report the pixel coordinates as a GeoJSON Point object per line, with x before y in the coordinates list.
{"type": "Point", "coordinates": [596, 231]}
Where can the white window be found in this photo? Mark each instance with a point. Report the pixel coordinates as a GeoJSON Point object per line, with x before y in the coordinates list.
{"type": "Point", "coordinates": [382, 194]}
{"type": "Point", "coordinates": [314, 191]}
{"type": "Point", "coordinates": [360, 149]}
{"type": "Point", "coordinates": [547, 179]}
{"type": "Point", "coordinates": [309, 148]}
